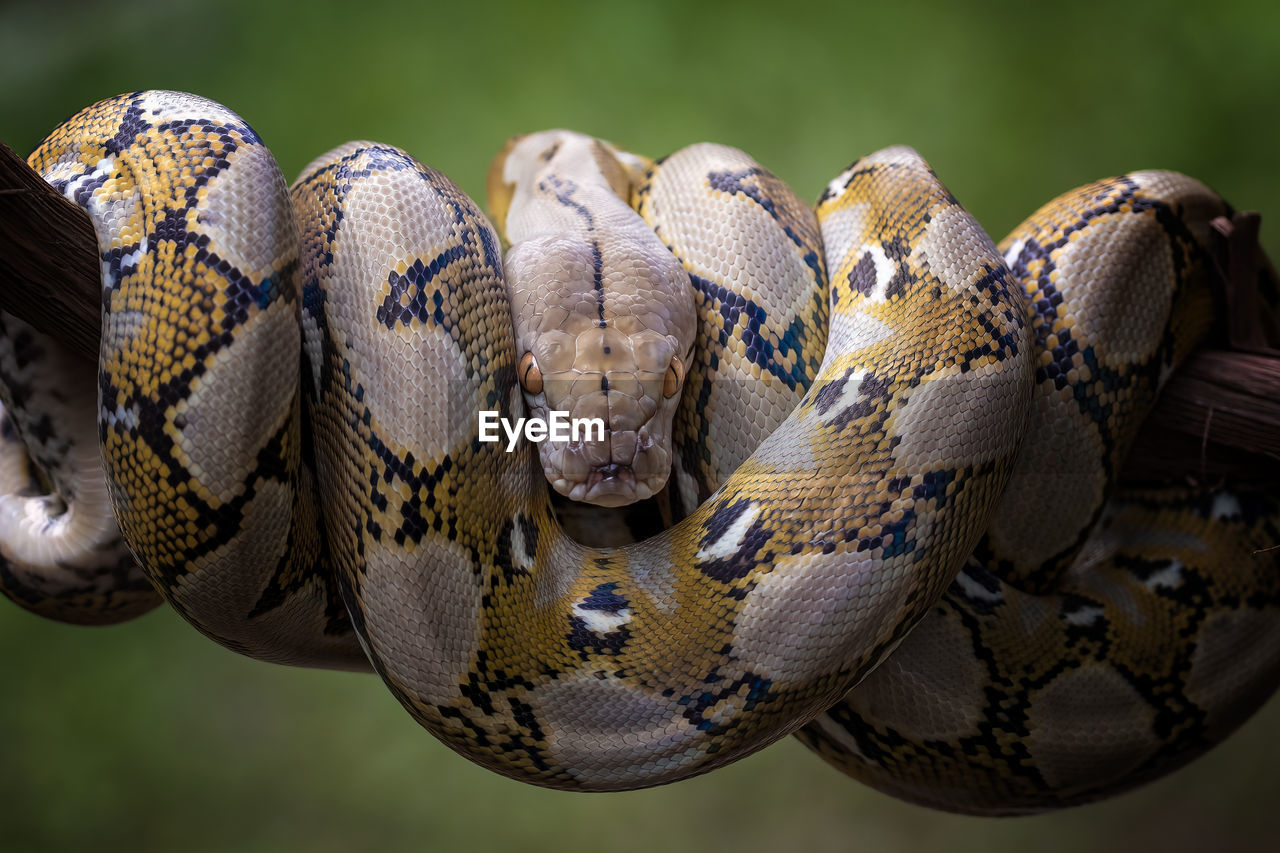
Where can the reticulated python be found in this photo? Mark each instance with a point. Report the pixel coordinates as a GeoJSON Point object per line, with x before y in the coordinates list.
{"type": "Point", "coordinates": [891, 458]}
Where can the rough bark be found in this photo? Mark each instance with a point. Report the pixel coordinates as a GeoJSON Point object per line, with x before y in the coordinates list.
{"type": "Point", "coordinates": [49, 270]}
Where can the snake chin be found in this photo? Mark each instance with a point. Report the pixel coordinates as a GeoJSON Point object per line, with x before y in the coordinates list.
{"type": "Point", "coordinates": [629, 463]}
{"type": "Point", "coordinates": [608, 474]}
{"type": "Point", "coordinates": [610, 486]}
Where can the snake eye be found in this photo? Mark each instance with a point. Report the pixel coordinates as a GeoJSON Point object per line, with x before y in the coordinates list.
{"type": "Point", "coordinates": [530, 375]}
{"type": "Point", "coordinates": [675, 375]}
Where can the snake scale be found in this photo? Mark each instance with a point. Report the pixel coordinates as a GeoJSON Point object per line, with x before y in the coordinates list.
{"type": "Point", "coordinates": [886, 450]}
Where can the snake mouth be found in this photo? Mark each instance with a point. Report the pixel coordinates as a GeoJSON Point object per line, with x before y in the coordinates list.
{"type": "Point", "coordinates": [610, 472]}
{"type": "Point", "coordinates": [626, 467]}
{"type": "Point", "coordinates": [609, 485]}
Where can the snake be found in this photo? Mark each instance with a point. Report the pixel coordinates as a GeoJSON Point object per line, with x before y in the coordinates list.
{"type": "Point", "coordinates": [887, 453]}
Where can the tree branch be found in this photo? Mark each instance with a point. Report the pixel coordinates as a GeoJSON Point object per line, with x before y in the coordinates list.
{"type": "Point", "coordinates": [49, 269]}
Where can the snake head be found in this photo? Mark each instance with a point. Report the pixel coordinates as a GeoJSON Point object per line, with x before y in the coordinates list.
{"type": "Point", "coordinates": [614, 383]}
{"type": "Point", "coordinates": [603, 314]}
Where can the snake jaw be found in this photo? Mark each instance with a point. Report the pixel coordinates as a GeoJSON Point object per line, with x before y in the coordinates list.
{"type": "Point", "coordinates": [609, 486]}
{"type": "Point", "coordinates": [625, 466]}
{"type": "Point", "coordinates": [631, 459]}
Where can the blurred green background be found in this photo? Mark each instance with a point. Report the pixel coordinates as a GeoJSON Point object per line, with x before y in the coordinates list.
{"type": "Point", "coordinates": [149, 737]}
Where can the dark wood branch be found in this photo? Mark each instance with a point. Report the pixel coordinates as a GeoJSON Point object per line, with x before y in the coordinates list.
{"type": "Point", "coordinates": [1218, 419]}
{"type": "Point", "coordinates": [1241, 262]}
{"type": "Point", "coordinates": [49, 270]}
{"type": "Point", "coordinates": [1219, 416]}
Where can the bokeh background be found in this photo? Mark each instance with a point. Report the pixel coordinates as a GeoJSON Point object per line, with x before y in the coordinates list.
{"type": "Point", "coordinates": [148, 737]}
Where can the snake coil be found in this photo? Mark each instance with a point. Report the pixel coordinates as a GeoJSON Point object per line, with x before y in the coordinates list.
{"type": "Point", "coordinates": [889, 450]}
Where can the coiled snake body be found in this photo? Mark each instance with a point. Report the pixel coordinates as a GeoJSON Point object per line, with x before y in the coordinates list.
{"type": "Point", "coordinates": [288, 393]}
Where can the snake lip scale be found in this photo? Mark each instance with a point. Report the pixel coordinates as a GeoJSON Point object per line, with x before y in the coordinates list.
{"type": "Point", "coordinates": [857, 478]}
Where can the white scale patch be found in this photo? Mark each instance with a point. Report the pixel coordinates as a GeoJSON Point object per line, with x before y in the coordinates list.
{"type": "Point", "coordinates": [519, 552]}
{"type": "Point", "coordinates": [1170, 577]}
{"type": "Point", "coordinates": [63, 171]}
{"type": "Point", "coordinates": [841, 228]}
{"type": "Point", "coordinates": [160, 106]}
{"type": "Point", "coordinates": [601, 621]}
{"type": "Point", "coordinates": [728, 542]}
{"type": "Point", "coordinates": [104, 167]}
{"type": "Point", "coordinates": [1015, 249]}
{"type": "Point", "coordinates": [848, 395]}
{"type": "Point", "coordinates": [835, 187]}
{"type": "Point", "coordinates": [975, 591]}
{"type": "Point", "coordinates": [126, 419]}
{"type": "Point", "coordinates": [1225, 506]}
{"type": "Point", "coordinates": [1086, 615]}
{"type": "Point", "coordinates": [849, 221]}
{"type": "Point", "coordinates": [128, 261]}
{"type": "Point", "coordinates": [838, 734]}
{"type": "Point", "coordinates": [885, 271]}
